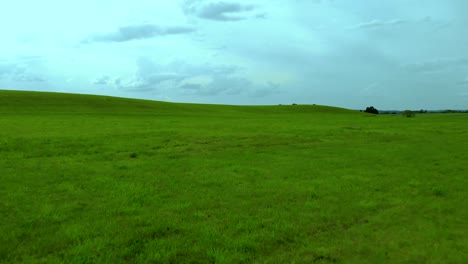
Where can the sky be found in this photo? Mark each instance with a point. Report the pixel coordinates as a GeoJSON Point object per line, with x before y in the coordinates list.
{"type": "Point", "coordinates": [391, 54]}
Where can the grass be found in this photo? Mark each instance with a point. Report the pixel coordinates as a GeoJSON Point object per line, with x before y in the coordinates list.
{"type": "Point", "coordinates": [91, 179]}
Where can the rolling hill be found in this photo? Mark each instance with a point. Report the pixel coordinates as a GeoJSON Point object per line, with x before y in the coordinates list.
{"type": "Point", "coordinates": [96, 179]}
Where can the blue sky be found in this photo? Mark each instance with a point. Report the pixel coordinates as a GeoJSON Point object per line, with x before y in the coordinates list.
{"type": "Point", "coordinates": [392, 54]}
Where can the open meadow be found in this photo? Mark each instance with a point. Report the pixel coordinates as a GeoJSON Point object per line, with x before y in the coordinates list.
{"type": "Point", "coordinates": [93, 179]}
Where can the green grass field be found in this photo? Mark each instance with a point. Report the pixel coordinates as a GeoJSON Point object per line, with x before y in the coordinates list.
{"type": "Point", "coordinates": [91, 179]}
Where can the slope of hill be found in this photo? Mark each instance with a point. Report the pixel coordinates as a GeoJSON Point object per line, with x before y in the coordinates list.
{"type": "Point", "coordinates": [25, 101]}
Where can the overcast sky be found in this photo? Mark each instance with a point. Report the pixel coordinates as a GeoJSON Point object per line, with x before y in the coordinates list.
{"type": "Point", "coordinates": [392, 54]}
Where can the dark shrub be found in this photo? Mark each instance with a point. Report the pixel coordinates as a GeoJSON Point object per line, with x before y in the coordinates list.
{"type": "Point", "coordinates": [371, 110]}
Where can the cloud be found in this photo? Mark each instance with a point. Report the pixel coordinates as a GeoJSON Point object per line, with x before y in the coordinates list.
{"type": "Point", "coordinates": [188, 79]}
{"type": "Point", "coordinates": [379, 23]}
{"type": "Point", "coordinates": [265, 90]}
{"type": "Point", "coordinates": [229, 85]}
{"type": "Point", "coordinates": [18, 71]}
{"type": "Point", "coordinates": [139, 32]}
{"type": "Point", "coordinates": [426, 21]}
{"type": "Point", "coordinates": [437, 24]}
{"type": "Point", "coordinates": [28, 78]}
{"type": "Point", "coordinates": [437, 65]}
{"type": "Point", "coordinates": [6, 69]}
{"type": "Point", "coordinates": [102, 80]}
{"type": "Point", "coordinates": [218, 11]}
{"type": "Point", "coordinates": [136, 85]}
{"type": "Point", "coordinates": [149, 83]}
{"type": "Point", "coordinates": [464, 82]}
{"type": "Point", "coordinates": [372, 90]}
{"type": "Point", "coordinates": [201, 69]}
{"type": "Point", "coordinates": [154, 77]}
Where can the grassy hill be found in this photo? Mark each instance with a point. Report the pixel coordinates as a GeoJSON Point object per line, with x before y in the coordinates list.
{"type": "Point", "coordinates": [94, 179]}
{"type": "Point", "coordinates": [25, 101]}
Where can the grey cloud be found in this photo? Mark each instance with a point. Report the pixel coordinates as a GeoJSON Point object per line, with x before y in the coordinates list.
{"type": "Point", "coordinates": [153, 82]}
{"type": "Point", "coordinates": [379, 23]}
{"type": "Point", "coordinates": [426, 21]}
{"type": "Point", "coordinates": [31, 59]}
{"type": "Point", "coordinates": [177, 72]}
{"type": "Point", "coordinates": [218, 11]}
{"type": "Point", "coordinates": [18, 71]}
{"type": "Point", "coordinates": [438, 65]}
{"type": "Point", "coordinates": [189, 79]}
{"type": "Point", "coordinates": [12, 68]}
{"type": "Point", "coordinates": [265, 90]}
{"type": "Point", "coordinates": [202, 69]}
{"type": "Point", "coordinates": [372, 90]}
{"type": "Point", "coordinates": [223, 11]}
{"type": "Point", "coordinates": [436, 23]}
{"type": "Point", "coordinates": [228, 85]}
{"type": "Point", "coordinates": [28, 78]}
{"type": "Point", "coordinates": [140, 82]}
{"type": "Point", "coordinates": [464, 95]}
{"type": "Point", "coordinates": [138, 32]}
{"type": "Point", "coordinates": [261, 16]}
{"type": "Point", "coordinates": [137, 85]}
{"type": "Point", "coordinates": [464, 82]}
{"type": "Point", "coordinates": [6, 69]}
{"type": "Point", "coordinates": [154, 77]}
{"type": "Point", "coordinates": [193, 87]}
{"type": "Point", "coordinates": [164, 77]}
{"type": "Point", "coordinates": [102, 80]}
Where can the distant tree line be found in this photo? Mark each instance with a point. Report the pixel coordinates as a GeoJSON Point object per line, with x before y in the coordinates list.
{"type": "Point", "coordinates": [454, 111]}
{"type": "Point", "coordinates": [423, 111]}
{"type": "Point", "coordinates": [409, 113]}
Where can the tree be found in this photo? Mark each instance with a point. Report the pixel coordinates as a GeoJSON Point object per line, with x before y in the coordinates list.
{"type": "Point", "coordinates": [371, 110]}
{"type": "Point", "coordinates": [408, 113]}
